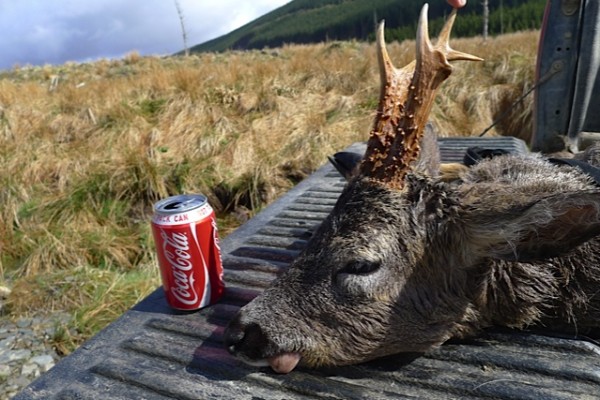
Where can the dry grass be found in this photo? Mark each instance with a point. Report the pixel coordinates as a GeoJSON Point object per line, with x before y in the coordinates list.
{"type": "Point", "coordinates": [85, 150]}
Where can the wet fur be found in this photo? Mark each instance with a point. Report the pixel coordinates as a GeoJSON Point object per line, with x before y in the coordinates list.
{"type": "Point", "coordinates": [511, 242]}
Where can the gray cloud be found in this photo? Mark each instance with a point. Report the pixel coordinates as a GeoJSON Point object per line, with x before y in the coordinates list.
{"type": "Point", "coordinates": [52, 32]}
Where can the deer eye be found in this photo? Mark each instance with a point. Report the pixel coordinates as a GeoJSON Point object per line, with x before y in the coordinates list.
{"type": "Point", "coordinates": [362, 267]}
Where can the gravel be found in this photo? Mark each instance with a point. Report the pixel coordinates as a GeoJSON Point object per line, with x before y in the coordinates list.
{"type": "Point", "coordinates": [25, 350]}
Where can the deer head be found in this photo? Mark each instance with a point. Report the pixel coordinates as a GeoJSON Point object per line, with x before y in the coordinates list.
{"type": "Point", "coordinates": [392, 267]}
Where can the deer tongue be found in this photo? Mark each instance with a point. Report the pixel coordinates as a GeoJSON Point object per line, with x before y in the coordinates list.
{"type": "Point", "coordinates": [284, 363]}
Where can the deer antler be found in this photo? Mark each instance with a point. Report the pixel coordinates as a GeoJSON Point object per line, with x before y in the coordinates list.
{"type": "Point", "coordinates": [405, 102]}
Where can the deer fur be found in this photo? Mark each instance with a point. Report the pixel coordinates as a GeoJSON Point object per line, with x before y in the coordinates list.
{"type": "Point", "coordinates": [406, 263]}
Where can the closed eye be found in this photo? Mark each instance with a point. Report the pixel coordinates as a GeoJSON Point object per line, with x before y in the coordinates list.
{"type": "Point", "coordinates": [362, 267]}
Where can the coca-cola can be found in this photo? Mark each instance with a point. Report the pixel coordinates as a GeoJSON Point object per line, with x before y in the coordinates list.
{"type": "Point", "coordinates": [187, 246]}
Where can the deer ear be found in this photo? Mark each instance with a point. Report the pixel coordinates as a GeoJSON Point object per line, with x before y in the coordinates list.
{"type": "Point", "coordinates": [548, 227]}
{"type": "Point", "coordinates": [429, 157]}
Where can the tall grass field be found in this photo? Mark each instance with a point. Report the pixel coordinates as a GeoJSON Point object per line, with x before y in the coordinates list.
{"type": "Point", "coordinates": [86, 149]}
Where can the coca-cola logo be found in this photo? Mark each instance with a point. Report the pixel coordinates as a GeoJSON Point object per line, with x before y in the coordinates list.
{"type": "Point", "coordinates": [218, 246]}
{"type": "Point", "coordinates": [216, 236]}
{"type": "Point", "coordinates": [176, 250]}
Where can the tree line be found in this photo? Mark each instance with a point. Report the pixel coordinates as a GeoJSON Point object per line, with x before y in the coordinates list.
{"type": "Point", "coordinates": [309, 21]}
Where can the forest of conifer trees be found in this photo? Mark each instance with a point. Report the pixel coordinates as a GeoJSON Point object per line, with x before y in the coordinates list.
{"type": "Point", "coordinates": [309, 21]}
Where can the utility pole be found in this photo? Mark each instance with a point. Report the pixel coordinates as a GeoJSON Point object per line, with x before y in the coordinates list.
{"type": "Point", "coordinates": [486, 18]}
{"type": "Point", "coordinates": [183, 31]}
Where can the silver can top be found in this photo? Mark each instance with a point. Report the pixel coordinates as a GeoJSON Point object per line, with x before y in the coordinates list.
{"type": "Point", "coordinates": [180, 203]}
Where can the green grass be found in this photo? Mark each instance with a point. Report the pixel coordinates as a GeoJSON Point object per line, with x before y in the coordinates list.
{"type": "Point", "coordinates": [95, 297]}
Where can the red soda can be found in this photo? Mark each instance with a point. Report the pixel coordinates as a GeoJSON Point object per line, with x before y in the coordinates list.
{"type": "Point", "coordinates": [189, 256]}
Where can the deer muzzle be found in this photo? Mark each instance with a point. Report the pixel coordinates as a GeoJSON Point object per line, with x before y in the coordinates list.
{"type": "Point", "coordinates": [249, 342]}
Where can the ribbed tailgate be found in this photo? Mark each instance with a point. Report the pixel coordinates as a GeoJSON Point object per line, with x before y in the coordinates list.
{"type": "Point", "coordinates": [452, 149]}
{"type": "Point", "coordinates": [152, 352]}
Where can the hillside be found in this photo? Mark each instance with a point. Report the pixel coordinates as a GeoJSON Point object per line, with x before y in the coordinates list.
{"type": "Point", "coordinates": [313, 21]}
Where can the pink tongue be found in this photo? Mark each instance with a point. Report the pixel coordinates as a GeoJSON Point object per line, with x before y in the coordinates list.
{"type": "Point", "coordinates": [284, 363]}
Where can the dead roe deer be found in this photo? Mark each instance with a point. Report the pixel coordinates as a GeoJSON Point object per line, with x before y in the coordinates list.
{"type": "Point", "coordinates": [407, 259]}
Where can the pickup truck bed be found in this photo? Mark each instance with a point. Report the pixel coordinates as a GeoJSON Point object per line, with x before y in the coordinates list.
{"type": "Point", "coordinates": [153, 352]}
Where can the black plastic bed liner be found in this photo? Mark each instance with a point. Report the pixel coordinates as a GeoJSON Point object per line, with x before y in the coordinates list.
{"type": "Point", "coordinates": [153, 352]}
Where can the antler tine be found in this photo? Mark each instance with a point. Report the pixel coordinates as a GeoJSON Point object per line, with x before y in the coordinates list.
{"type": "Point", "coordinates": [385, 63]}
{"type": "Point", "coordinates": [444, 36]}
{"type": "Point", "coordinates": [394, 82]}
{"type": "Point", "coordinates": [405, 102]}
{"type": "Point", "coordinates": [423, 42]}
{"type": "Point", "coordinates": [443, 43]}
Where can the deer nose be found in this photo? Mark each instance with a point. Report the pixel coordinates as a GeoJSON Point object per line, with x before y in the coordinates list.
{"type": "Point", "coordinates": [248, 338]}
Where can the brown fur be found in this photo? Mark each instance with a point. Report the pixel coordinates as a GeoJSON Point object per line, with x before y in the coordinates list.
{"type": "Point", "coordinates": [511, 243]}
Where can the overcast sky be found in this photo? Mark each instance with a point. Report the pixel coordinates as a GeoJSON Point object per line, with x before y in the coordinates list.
{"type": "Point", "coordinates": [41, 32]}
